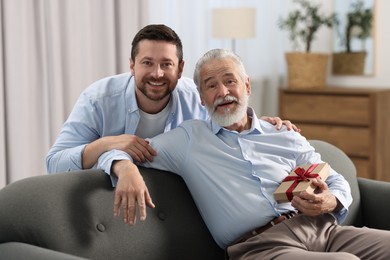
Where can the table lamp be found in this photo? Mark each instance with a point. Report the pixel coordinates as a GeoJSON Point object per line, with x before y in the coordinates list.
{"type": "Point", "coordinates": [234, 23]}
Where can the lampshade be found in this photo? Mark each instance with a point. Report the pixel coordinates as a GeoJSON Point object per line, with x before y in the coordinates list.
{"type": "Point", "coordinates": [234, 22]}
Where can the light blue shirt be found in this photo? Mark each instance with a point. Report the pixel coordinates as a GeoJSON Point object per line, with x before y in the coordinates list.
{"type": "Point", "coordinates": [232, 176]}
{"type": "Point", "coordinates": [107, 108]}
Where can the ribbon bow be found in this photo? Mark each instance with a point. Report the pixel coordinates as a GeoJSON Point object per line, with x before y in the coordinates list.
{"type": "Point", "coordinates": [301, 175]}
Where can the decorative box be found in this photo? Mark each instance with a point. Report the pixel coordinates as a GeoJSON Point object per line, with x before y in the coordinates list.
{"type": "Point", "coordinates": [300, 179]}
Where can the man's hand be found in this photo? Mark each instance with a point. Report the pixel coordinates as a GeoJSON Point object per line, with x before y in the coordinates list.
{"type": "Point", "coordinates": [131, 192]}
{"type": "Point", "coordinates": [323, 201]}
{"type": "Point", "coordinates": [279, 123]}
{"type": "Point", "coordinates": [138, 148]}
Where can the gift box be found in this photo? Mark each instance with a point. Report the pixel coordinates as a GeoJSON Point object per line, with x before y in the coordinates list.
{"type": "Point", "coordinates": [300, 179]}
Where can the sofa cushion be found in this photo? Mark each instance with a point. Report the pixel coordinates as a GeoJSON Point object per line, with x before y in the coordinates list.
{"type": "Point", "coordinates": [18, 251]}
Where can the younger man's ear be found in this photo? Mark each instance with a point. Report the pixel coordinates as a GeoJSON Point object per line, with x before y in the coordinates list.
{"type": "Point", "coordinates": [181, 68]}
{"type": "Point", "coordinates": [131, 66]}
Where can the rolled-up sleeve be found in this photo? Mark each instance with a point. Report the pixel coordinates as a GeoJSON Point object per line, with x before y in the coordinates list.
{"type": "Point", "coordinates": [106, 159]}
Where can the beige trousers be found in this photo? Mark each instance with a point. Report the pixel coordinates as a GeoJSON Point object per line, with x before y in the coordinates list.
{"type": "Point", "coordinates": [318, 238]}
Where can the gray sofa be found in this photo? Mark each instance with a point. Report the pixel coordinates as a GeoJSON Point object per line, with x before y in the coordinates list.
{"type": "Point", "coordinates": [69, 216]}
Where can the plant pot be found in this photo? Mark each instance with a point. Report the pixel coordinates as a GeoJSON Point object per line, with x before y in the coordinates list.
{"type": "Point", "coordinates": [348, 63]}
{"type": "Point", "coordinates": [307, 70]}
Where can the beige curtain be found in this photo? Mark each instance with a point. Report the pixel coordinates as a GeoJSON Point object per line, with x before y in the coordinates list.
{"type": "Point", "coordinates": [50, 50]}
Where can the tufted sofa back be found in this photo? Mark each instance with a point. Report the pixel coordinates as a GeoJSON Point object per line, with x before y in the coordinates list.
{"type": "Point", "coordinates": [72, 213]}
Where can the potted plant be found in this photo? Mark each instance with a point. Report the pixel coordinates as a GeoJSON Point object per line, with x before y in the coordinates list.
{"type": "Point", "coordinates": [358, 25]}
{"type": "Point", "coordinates": [306, 69]}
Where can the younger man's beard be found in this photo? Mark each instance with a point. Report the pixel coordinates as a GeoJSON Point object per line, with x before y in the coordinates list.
{"type": "Point", "coordinates": [228, 118]}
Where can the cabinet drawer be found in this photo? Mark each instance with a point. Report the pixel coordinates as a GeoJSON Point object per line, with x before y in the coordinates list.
{"type": "Point", "coordinates": [354, 141]}
{"type": "Point", "coordinates": [350, 110]}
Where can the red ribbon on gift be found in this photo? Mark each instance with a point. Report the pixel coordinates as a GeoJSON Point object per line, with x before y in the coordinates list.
{"type": "Point", "coordinates": [301, 175]}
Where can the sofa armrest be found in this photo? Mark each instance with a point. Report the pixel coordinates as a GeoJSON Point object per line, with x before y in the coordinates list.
{"type": "Point", "coordinates": [375, 210]}
{"type": "Point", "coordinates": [17, 251]}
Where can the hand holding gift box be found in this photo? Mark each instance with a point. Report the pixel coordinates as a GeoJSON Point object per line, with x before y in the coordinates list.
{"type": "Point", "coordinates": [300, 179]}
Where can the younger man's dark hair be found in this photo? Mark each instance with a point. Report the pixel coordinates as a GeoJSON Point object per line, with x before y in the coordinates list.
{"type": "Point", "coordinates": [157, 32]}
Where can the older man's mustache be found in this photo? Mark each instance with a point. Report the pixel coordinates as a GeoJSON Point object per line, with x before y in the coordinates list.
{"type": "Point", "coordinates": [224, 100]}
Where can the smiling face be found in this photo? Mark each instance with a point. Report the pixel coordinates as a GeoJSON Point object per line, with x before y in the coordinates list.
{"type": "Point", "coordinates": [225, 93]}
{"type": "Point", "coordinates": [156, 70]}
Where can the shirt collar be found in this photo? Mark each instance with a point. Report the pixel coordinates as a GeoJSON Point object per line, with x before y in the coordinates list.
{"type": "Point", "coordinates": [255, 127]}
{"type": "Point", "coordinates": [131, 101]}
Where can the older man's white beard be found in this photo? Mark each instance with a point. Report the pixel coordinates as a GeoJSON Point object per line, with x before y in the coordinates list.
{"type": "Point", "coordinates": [229, 118]}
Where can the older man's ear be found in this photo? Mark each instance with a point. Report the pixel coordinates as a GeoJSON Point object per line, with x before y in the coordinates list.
{"type": "Point", "coordinates": [248, 86]}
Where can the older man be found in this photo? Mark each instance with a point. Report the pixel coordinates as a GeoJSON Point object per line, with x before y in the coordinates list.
{"type": "Point", "coordinates": [234, 162]}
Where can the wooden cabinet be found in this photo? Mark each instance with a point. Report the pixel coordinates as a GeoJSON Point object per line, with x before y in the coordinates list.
{"type": "Point", "coordinates": [355, 120]}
